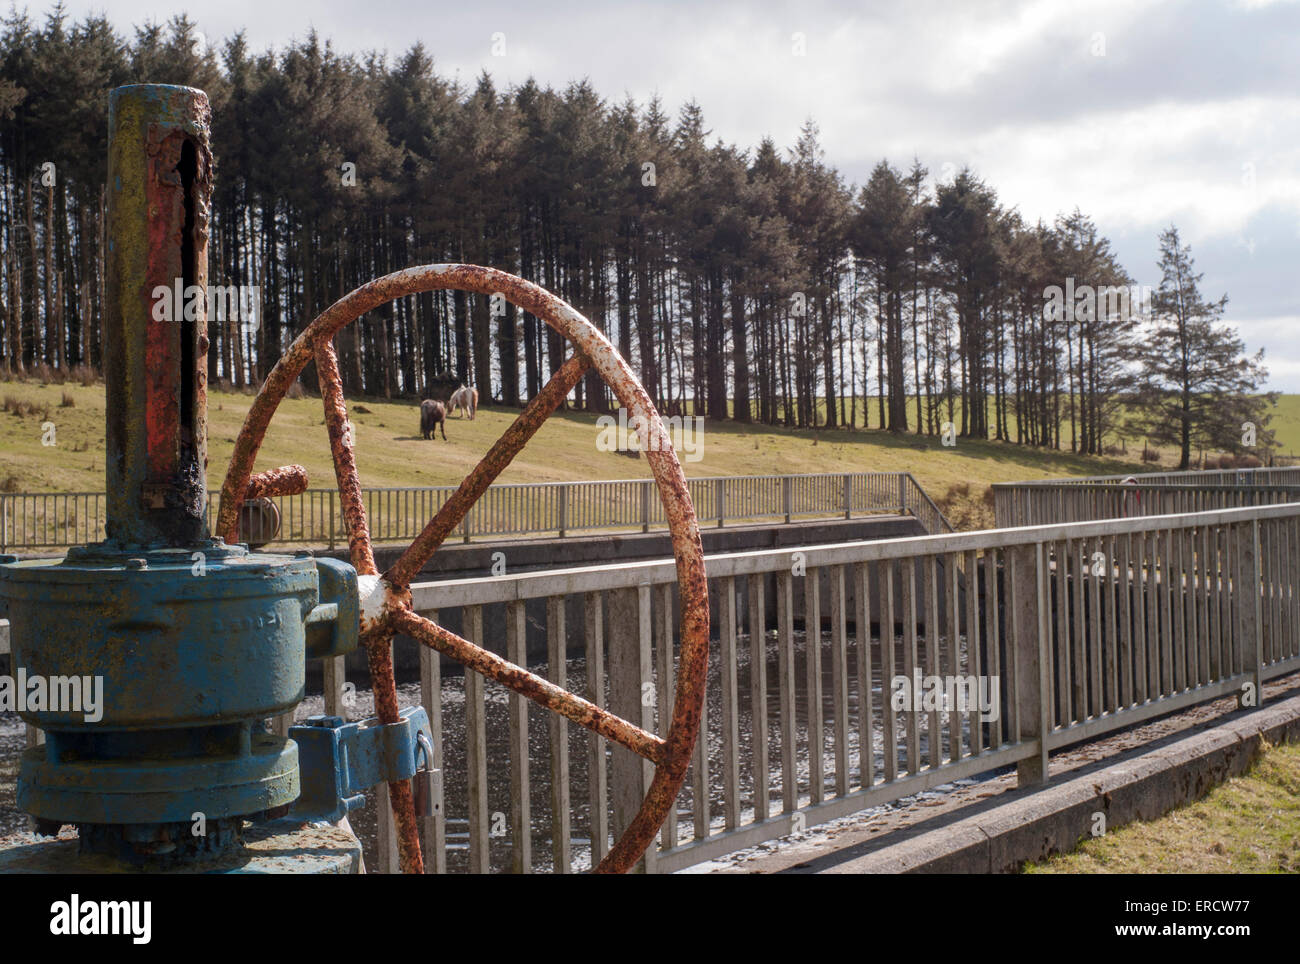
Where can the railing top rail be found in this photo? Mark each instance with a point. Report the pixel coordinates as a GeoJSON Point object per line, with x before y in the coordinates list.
{"type": "Point", "coordinates": [532, 485]}
{"type": "Point", "coordinates": [943, 519]}
{"type": "Point", "coordinates": [532, 585]}
{"type": "Point", "coordinates": [1166, 486]}
{"type": "Point", "coordinates": [1140, 477]}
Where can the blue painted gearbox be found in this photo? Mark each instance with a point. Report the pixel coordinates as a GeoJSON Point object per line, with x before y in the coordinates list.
{"type": "Point", "coordinates": [192, 648]}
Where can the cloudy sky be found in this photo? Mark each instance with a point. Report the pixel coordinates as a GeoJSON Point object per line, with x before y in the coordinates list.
{"type": "Point", "coordinates": [1141, 113]}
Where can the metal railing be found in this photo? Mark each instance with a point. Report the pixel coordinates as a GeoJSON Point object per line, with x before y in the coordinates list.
{"type": "Point", "coordinates": [1071, 631]}
{"type": "Point", "coordinates": [1044, 501]}
{"type": "Point", "coordinates": [52, 520]}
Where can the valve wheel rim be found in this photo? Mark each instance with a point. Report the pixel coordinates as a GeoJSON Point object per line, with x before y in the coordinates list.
{"type": "Point", "coordinates": [387, 607]}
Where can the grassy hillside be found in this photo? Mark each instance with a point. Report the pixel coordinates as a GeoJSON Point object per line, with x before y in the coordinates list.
{"type": "Point", "coordinates": [391, 453]}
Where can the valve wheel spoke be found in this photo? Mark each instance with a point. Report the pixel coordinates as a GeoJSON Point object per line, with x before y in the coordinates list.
{"type": "Point", "coordinates": [383, 618]}
{"type": "Point", "coordinates": [379, 644]}
{"type": "Point", "coordinates": [345, 459]}
{"type": "Point", "coordinates": [541, 691]}
{"type": "Point", "coordinates": [471, 489]}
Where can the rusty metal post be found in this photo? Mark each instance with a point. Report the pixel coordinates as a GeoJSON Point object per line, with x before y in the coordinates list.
{"type": "Point", "coordinates": [155, 325]}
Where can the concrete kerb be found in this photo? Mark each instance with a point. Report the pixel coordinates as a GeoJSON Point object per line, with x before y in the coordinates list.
{"type": "Point", "coordinates": [1054, 820]}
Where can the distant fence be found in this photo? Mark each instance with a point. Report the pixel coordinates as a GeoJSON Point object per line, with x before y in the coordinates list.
{"type": "Point", "coordinates": [1045, 501]}
{"type": "Point", "coordinates": [52, 520]}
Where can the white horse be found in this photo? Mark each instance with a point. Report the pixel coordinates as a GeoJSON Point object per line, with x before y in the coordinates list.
{"type": "Point", "coordinates": [464, 398]}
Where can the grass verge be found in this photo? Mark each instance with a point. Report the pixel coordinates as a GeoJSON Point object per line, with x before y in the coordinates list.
{"type": "Point", "coordinates": [1248, 825]}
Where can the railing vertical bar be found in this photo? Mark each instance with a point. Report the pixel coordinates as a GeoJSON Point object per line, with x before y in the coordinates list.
{"type": "Point", "coordinates": [1215, 564]}
{"type": "Point", "coordinates": [1178, 586]}
{"type": "Point", "coordinates": [521, 843]}
{"type": "Point", "coordinates": [1154, 628]}
{"type": "Point", "coordinates": [480, 853]}
{"type": "Point", "coordinates": [1231, 632]}
{"type": "Point", "coordinates": [1287, 627]}
{"type": "Point", "coordinates": [1140, 633]}
{"type": "Point", "coordinates": [813, 664]}
{"type": "Point", "coordinates": [1111, 629]}
{"type": "Point", "coordinates": [889, 726]}
{"type": "Point", "coordinates": [700, 784]}
{"type": "Point", "coordinates": [1166, 583]}
{"type": "Point", "coordinates": [598, 787]}
{"type": "Point", "coordinates": [730, 705]}
{"type": "Point", "coordinates": [1064, 684]}
{"type": "Point", "coordinates": [953, 637]}
{"type": "Point", "coordinates": [434, 837]}
{"type": "Point", "coordinates": [1078, 586]}
{"type": "Point", "coordinates": [787, 681]}
{"type": "Point", "coordinates": [1191, 592]}
{"type": "Point", "coordinates": [1277, 551]}
{"type": "Point", "coordinates": [862, 638]}
{"type": "Point", "coordinates": [1293, 586]}
{"type": "Point", "coordinates": [933, 734]}
{"type": "Point", "coordinates": [1267, 571]}
{"type": "Point", "coordinates": [974, 665]}
{"type": "Point", "coordinates": [910, 604]}
{"type": "Point", "coordinates": [1202, 610]}
{"type": "Point", "coordinates": [1252, 568]}
{"type": "Point", "coordinates": [839, 679]}
{"type": "Point", "coordinates": [993, 637]}
{"type": "Point", "coordinates": [664, 666]}
{"type": "Point", "coordinates": [558, 727]}
{"type": "Point", "coordinates": [1093, 586]}
{"type": "Point", "coordinates": [758, 696]}
{"type": "Point", "coordinates": [334, 670]}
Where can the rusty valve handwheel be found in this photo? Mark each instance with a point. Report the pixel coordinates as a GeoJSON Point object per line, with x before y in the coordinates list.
{"type": "Point", "coordinates": [386, 599]}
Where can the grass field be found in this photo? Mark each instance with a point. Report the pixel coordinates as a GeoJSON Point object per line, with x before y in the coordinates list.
{"type": "Point", "coordinates": [391, 452]}
{"type": "Point", "coordinates": [1249, 825]}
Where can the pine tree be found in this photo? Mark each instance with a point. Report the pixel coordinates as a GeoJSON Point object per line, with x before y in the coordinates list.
{"type": "Point", "coordinates": [1192, 366]}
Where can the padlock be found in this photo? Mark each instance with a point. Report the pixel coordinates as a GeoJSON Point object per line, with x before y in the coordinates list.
{"type": "Point", "coordinates": [424, 785]}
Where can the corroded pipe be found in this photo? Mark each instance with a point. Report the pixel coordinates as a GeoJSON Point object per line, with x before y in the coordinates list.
{"type": "Point", "coordinates": [155, 314]}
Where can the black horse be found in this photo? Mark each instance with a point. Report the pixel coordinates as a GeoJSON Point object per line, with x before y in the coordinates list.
{"type": "Point", "coordinates": [433, 415]}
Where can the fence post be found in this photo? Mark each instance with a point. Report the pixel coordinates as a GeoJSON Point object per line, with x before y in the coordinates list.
{"type": "Point", "coordinates": [848, 496]}
{"type": "Point", "coordinates": [331, 495]}
{"type": "Point", "coordinates": [787, 496]}
{"type": "Point", "coordinates": [4, 523]}
{"type": "Point", "coordinates": [645, 506]}
{"type": "Point", "coordinates": [628, 634]}
{"type": "Point", "coordinates": [564, 509]}
{"type": "Point", "coordinates": [902, 493]}
{"type": "Point", "coordinates": [720, 497]}
{"type": "Point", "coordinates": [1029, 633]}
